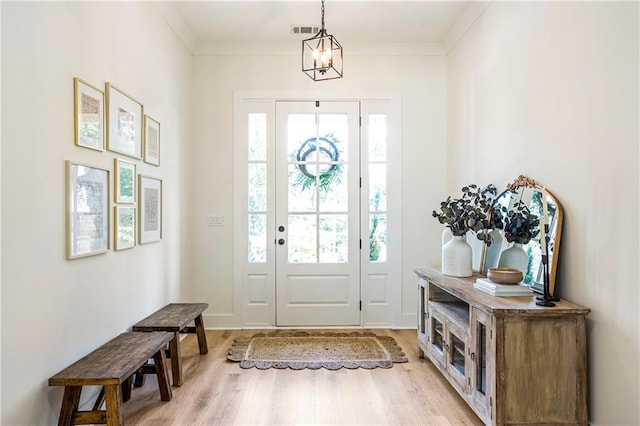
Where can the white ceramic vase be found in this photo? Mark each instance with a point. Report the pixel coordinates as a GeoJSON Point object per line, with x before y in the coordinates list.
{"type": "Point", "coordinates": [515, 257]}
{"type": "Point", "coordinates": [446, 235]}
{"type": "Point", "coordinates": [492, 253]}
{"type": "Point", "coordinates": [457, 258]}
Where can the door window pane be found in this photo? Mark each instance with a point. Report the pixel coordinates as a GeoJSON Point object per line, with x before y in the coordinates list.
{"type": "Point", "coordinates": [377, 187]}
{"type": "Point", "coordinates": [334, 130]}
{"type": "Point", "coordinates": [302, 242]}
{"type": "Point", "coordinates": [336, 196]}
{"type": "Point", "coordinates": [257, 187]}
{"type": "Point", "coordinates": [377, 137]}
{"type": "Point", "coordinates": [302, 194]}
{"type": "Point", "coordinates": [300, 128]}
{"type": "Point", "coordinates": [378, 237]}
{"type": "Point", "coordinates": [258, 136]}
{"type": "Point", "coordinates": [257, 238]}
{"type": "Point", "coordinates": [334, 241]}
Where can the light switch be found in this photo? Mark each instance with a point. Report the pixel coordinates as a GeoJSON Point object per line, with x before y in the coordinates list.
{"type": "Point", "coordinates": [215, 221]}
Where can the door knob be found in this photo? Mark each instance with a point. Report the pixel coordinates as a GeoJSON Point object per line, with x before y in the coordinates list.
{"type": "Point", "coordinates": [281, 228]}
{"type": "Point", "coordinates": [281, 241]}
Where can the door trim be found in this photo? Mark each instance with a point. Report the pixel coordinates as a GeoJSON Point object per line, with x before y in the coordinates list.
{"type": "Point", "coordinates": [253, 302]}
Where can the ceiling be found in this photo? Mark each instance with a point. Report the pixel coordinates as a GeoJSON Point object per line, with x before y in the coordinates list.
{"type": "Point", "coordinates": [218, 22]}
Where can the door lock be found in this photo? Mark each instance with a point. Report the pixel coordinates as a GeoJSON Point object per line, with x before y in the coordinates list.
{"type": "Point", "coordinates": [281, 228]}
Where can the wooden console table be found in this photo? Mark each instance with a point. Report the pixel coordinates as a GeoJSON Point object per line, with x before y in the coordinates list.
{"type": "Point", "coordinates": [174, 318]}
{"type": "Point", "coordinates": [512, 361]}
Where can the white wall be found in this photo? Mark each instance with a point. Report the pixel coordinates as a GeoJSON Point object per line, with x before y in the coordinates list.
{"type": "Point", "coordinates": [55, 311]}
{"type": "Point", "coordinates": [422, 83]}
{"type": "Point", "coordinates": [550, 90]}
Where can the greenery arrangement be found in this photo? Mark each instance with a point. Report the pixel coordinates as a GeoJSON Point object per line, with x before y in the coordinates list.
{"type": "Point", "coordinates": [520, 225]}
{"type": "Point", "coordinates": [470, 212]}
{"type": "Point", "coordinates": [327, 176]}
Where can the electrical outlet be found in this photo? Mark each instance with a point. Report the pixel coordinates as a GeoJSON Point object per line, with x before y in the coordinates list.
{"type": "Point", "coordinates": [215, 221]}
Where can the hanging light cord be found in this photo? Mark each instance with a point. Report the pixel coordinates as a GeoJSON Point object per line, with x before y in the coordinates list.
{"type": "Point", "coordinates": [322, 10]}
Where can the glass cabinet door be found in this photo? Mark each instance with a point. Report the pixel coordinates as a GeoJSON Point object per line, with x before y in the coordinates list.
{"type": "Point", "coordinates": [436, 337]}
{"type": "Point", "coordinates": [480, 380]}
{"type": "Point", "coordinates": [456, 347]}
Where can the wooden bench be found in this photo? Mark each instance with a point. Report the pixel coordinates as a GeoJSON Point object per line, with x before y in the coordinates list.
{"type": "Point", "coordinates": [111, 366]}
{"type": "Point", "coordinates": [174, 318]}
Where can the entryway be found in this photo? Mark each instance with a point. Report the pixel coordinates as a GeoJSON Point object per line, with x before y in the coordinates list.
{"type": "Point", "coordinates": [316, 199]}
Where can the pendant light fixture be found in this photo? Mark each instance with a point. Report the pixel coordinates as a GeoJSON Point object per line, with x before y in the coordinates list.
{"type": "Point", "coordinates": [322, 55]}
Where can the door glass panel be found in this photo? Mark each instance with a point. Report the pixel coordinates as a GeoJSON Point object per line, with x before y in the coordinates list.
{"type": "Point", "coordinates": [336, 196]}
{"type": "Point", "coordinates": [302, 194]}
{"type": "Point", "coordinates": [378, 237]}
{"type": "Point", "coordinates": [377, 187]}
{"type": "Point", "coordinates": [302, 244]}
{"type": "Point", "coordinates": [300, 127]}
{"type": "Point", "coordinates": [257, 136]}
{"type": "Point", "coordinates": [377, 137]}
{"type": "Point", "coordinates": [257, 187]}
{"type": "Point", "coordinates": [334, 128]}
{"type": "Point", "coordinates": [257, 238]}
{"type": "Point", "coordinates": [334, 238]}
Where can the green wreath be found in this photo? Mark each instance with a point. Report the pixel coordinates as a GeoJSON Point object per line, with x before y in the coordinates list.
{"type": "Point", "coordinates": [327, 146]}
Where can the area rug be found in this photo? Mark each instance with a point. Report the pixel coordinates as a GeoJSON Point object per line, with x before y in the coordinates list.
{"type": "Point", "coordinates": [301, 349]}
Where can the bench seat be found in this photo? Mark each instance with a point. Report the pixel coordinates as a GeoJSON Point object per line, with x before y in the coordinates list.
{"type": "Point", "coordinates": [111, 366]}
{"type": "Point", "coordinates": [174, 318]}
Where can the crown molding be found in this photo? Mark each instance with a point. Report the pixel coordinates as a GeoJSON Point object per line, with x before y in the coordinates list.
{"type": "Point", "coordinates": [471, 14]}
{"type": "Point", "coordinates": [294, 48]}
{"type": "Point", "coordinates": [176, 23]}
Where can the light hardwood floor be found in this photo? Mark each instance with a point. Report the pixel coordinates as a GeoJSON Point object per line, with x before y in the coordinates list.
{"type": "Point", "coordinates": [218, 392]}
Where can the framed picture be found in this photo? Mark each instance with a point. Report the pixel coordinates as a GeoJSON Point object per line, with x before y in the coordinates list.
{"type": "Point", "coordinates": [125, 227]}
{"type": "Point", "coordinates": [88, 115]}
{"type": "Point", "coordinates": [125, 181]}
{"type": "Point", "coordinates": [151, 141]}
{"type": "Point", "coordinates": [87, 210]}
{"type": "Point", "coordinates": [124, 115]}
{"type": "Point", "coordinates": [149, 209]}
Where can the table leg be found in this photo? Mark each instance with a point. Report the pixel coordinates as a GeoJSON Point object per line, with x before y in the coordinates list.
{"type": "Point", "coordinates": [176, 359]}
{"type": "Point", "coordinates": [70, 402]}
{"type": "Point", "coordinates": [160, 362]}
{"type": "Point", "coordinates": [202, 338]}
{"type": "Point", "coordinates": [113, 399]}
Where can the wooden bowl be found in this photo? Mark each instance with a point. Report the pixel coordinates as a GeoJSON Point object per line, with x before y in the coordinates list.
{"type": "Point", "coordinates": [504, 275]}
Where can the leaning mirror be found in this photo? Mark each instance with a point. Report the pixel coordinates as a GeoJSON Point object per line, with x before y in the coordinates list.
{"type": "Point", "coordinates": [517, 245]}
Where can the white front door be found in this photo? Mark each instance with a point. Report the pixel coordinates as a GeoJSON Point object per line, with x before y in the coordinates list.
{"type": "Point", "coordinates": [317, 213]}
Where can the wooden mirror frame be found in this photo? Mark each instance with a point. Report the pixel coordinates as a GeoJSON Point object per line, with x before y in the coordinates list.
{"type": "Point", "coordinates": [555, 230]}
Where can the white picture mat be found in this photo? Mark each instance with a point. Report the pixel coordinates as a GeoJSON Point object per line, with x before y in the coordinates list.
{"type": "Point", "coordinates": [87, 221]}
{"type": "Point", "coordinates": [149, 209]}
{"type": "Point", "coordinates": [124, 132]}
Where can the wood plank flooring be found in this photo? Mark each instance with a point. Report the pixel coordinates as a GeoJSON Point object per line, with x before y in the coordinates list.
{"type": "Point", "coordinates": [218, 392]}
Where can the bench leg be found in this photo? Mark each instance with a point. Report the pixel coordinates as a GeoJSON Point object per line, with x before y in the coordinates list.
{"type": "Point", "coordinates": [126, 389]}
{"type": "Point", "coordinates": [113, 398]}
{"type": "Point", "coordinates": [139, 378]}
{"type": "Point", "coordinates": [70, 402]}
{"type": "Point", "coordinates": [160, 362]}
{"type": "Point", "coordinates": [202, 338]}
{"type": "Point", "coordinates": [176, 359]}
{"type": "Point", "coordinates": [99, 400]}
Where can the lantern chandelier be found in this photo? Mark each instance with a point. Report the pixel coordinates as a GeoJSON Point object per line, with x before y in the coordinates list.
{"type": "Point", "coordinates": [322, 55]}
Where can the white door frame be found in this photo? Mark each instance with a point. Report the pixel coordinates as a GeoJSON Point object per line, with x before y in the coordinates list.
{"type": "Point", "coordinates": [254, 284]}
